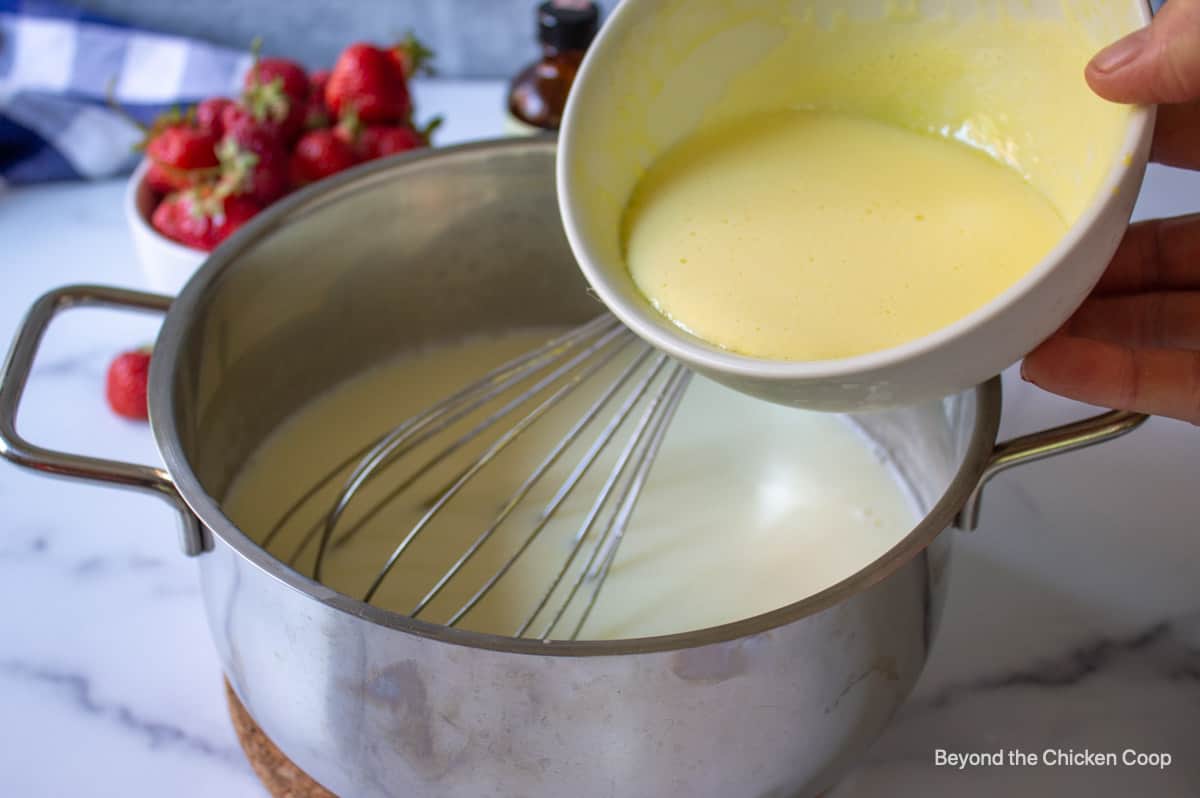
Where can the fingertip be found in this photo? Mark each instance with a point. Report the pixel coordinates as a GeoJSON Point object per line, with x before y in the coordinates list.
{"type": "Point", "coordinates": [1121, 86]}
{"type": "Point", "coordinates": [1040, 365]}
{"type": "Point", "coordinates": [1154, 65]}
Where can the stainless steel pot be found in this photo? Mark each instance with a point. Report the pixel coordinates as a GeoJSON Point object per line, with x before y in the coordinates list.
{"type": "Point", "coordinates": [370, 703]}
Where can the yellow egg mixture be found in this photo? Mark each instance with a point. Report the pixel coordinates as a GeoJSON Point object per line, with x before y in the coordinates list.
{"type": "Point", "coordinates": [917, 174]}
{"type": "Point", "coordinates": [806, 235]}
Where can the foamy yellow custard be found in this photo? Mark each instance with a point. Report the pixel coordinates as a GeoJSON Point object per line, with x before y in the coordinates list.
{"type": "Point", "coordinates": [807, 235]}
{"type": "Point", "coordinates": [869, 181]}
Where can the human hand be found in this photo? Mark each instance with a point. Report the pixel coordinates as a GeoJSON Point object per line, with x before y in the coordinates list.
{"type": "Point", "coordinates": [1135, 342]}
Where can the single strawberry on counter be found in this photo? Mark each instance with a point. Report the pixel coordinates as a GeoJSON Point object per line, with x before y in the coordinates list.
{"type": "Point", "coordinates": [202, 217]}
{"type": "Point", "coordinates": [319, 154]}
{"type": "Point", "coordinates": [370, 81]}
{"type": "Point", "coordinates": [125, 384]}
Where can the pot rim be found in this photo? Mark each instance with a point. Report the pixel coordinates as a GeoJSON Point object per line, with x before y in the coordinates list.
{"type": "Point", "coordinates": [208, 509]}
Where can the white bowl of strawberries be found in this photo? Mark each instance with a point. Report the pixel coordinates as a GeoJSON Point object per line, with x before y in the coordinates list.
{"type": "Point", "coordinates": [209, 170]}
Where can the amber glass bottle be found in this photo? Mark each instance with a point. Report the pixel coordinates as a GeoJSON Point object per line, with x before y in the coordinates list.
{"type": "Point", "coordinates": [538, 94]}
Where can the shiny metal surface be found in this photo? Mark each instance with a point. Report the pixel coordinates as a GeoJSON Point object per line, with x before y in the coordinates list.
{"type": "Point", "coordinates": [1047, 443]}
{"type": "Point", "coordinates": [15, 373]}
{"type": "Point", "coordinates": [406, 252]}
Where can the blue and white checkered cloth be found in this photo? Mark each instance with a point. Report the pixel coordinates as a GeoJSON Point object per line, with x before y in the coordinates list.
{"type": "Point", "coordinates": [56, 64]}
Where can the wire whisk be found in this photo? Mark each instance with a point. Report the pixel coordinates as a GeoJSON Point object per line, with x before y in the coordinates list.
{"type": "Point", "coordinates": [594, 393]}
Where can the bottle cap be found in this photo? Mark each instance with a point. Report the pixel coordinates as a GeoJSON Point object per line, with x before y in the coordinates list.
{"type": "Point", "coordinates": [567, 24]}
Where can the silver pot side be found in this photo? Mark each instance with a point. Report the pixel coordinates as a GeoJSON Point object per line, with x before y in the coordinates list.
{"type": "Point", "coordinates": [465, 241]}
{"type": "Point", "coordinates": [374, 711]}
{"type": "Point", "coordinates": [463, 245]}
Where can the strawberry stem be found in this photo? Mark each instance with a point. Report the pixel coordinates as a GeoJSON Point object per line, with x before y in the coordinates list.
{"type": "Point", "coordinates": [350, 125]}
{"type": "Point", "coordinates": [417, 56]}
{"type": "Point", "coordinates": [426, 132]}
{"type": "Point", "coordinates": [236, 169]}
{"type": "Point", "coordinates": [255, 57]}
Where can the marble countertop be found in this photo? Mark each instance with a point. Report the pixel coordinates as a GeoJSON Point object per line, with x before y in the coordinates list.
{"type": "Point", "coordinates": [1073, 622]}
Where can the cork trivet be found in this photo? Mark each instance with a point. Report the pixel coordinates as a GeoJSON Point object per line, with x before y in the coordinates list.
{"type": "Point", "coordinates": [277, 773]}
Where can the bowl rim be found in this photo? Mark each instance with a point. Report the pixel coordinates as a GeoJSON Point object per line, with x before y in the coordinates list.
{"type": "Point", "coordinates": [186, 308]}
{"type": "Point", "coordinates": [135, 217]}
{"type": "Point", "coordinates": [640, 317]}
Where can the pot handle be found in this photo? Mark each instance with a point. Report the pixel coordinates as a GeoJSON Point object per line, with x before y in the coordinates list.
{"type": "Point", "coordinates": [15, 373]}
{"type": "Point", "coordinates": [1043, 444]}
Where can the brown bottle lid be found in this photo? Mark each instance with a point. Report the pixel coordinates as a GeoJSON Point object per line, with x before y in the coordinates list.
{"type": "Point", "coordinates": [567, 24]}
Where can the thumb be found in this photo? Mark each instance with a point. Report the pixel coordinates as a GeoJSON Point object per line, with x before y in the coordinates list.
{"type": "Point", "coordinates": [1157, 64]}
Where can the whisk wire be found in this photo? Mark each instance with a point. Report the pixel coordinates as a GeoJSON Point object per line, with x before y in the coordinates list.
{"type": "Point", "coordinates": [409, 435]}
{"type": "Point", "coordinates": [630, 500]}
{"type": "Point", "coordinates": [614, 336]}
{"type": "Point", "coordinates": [510, 435]}
{"type": "Point", "coordinates": [610, 482]}
{"type": "Point", "coordinates": [538, 354]}
{"type": "Point", "coordinates": [526, 389]}
{"type": "Point", "coordinates": [564, 491]}
{"type": "Point", "coordinates": [523, 491]}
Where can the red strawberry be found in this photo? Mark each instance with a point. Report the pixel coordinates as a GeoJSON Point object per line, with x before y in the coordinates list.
{"type": "Point", "coordinates": [180, 155]}
{"type": "Point", "coordinates": [379, 141]}
{"type": "Point", "coordinates": [317, 82]}
{"type": "Point", "coordinates": [182, 147]}
{"type": "Point", "coordinates": [240, 124]}
{"type": "Point", "coordinates": [318, 115]}
{"type": "Point", "coordinates": [370, 81]}
{"type": "Point", "coordinates": [180, 152]}
{"type": "Point", "coordinates": [209, 115]}
{"type": "Point", "coordinates": [282, 125]}
{"type": "Point", "coordinates": [202, 217]}
{"type": "Point", "coordinates": [292, 79]}
{"type": "Point", "coordinates": [254, 163]}
{"type": "Point", "coordinates": [276, 95]}
{"type": "Point", "coordinates": [412, 56]}
{"type": "Point", "coordinates": [125, 384]}
{"type": "Point", "coordinates": [319, 154]}
{"type": "Point", "coordinates": [162, 180]}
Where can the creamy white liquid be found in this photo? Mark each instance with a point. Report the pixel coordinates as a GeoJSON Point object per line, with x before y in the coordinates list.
{"type": "Point", "coordinates": [749, 506]}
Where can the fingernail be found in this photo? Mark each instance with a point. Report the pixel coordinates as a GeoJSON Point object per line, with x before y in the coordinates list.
{"type": "Point", "coordinates": [1122, 52]}
{"type": "Point", "coordinates": [1024, 376]}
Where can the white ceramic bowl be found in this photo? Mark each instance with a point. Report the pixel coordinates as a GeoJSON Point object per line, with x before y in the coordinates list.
{"type": "Point", "coordinates": [166, 264]}
{"type": "Point", "coordinates": [659, 70]}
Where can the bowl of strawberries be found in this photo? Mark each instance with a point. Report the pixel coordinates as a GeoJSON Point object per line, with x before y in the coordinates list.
{"type": "Point", "coordinates": [209, 169]}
